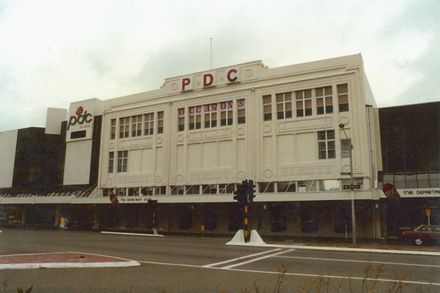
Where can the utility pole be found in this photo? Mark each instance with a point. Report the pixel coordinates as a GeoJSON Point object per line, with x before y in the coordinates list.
{"type": "Point", "coordinates": [353, 208]}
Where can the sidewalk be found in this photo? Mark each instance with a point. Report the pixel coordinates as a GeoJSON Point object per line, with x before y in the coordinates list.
{"type": "Point", "coordinates": [61, 260]}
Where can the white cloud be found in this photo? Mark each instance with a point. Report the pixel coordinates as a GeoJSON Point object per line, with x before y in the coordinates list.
{"type": "Point", "coordinates": [56, 52]}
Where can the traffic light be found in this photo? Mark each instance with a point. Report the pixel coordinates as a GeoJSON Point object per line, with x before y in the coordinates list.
{"type": "Point", "coordinates": [240, 194]}
{"type": "Point", "coordinates": [250, 190]}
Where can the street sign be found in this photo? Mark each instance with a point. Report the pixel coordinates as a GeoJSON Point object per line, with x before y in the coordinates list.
{"type": "Point", "coordinates": [354, 186]}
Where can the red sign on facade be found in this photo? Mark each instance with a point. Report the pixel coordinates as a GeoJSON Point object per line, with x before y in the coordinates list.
{"type": "Point", "coordinates": [391, 192]}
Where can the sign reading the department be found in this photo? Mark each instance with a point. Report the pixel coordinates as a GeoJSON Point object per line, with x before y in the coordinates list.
{"type": "Point", "coordinates": [420, 192]}
{"type": "Point", "coordinates": [209, 80]}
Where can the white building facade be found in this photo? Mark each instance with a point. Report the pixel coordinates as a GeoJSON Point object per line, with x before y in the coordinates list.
{"type": "Point", "coordinates": [194, 139]}
{"type": "Point", "coordinates": [189, 143]}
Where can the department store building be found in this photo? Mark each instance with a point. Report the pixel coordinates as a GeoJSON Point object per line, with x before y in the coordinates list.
{"type": "Point", "coordinates": [188, 144]}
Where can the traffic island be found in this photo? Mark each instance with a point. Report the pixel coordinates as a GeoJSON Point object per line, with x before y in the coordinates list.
{"type": "Point", "coordinates": [62, 260]}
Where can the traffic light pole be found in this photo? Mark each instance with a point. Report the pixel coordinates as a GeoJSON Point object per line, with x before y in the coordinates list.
{"type": "Point", "coordinates": [245, 194]}
{"type": "Point", "coordinates": [153, 216]}
{"type": "Point", "coordinates": [247, 234]}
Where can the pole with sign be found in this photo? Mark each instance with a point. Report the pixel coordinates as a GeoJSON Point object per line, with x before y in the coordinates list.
{"type": "Point", "coordinates": [352, 187]}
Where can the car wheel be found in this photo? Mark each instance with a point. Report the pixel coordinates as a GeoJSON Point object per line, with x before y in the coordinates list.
{"type": "Point", "coordinates": [418, 241]}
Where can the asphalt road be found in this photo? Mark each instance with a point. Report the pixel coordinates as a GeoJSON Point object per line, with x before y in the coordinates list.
{"type": "Point", "coordinates": [183, 264]}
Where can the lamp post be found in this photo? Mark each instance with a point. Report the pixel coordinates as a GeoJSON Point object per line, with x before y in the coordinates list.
{"type": "Point", "coordinates": [353, 209]}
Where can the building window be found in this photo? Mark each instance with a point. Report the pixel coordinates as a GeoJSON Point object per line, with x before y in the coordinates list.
{"type": "Point", "coordinates": [181, 119]}
{"type": "Point", "coordinates": [329, 185]}
{"type": "Point", "coordinates": [326, 144]}
{"type": "Point", "coordinates": [226, 113]}
{"type": "Point", "coordinates": [149, 124]}
{"type": "Point", "coordinates": [122, 161]}
{"type": "Point", "coordinates": [343, 97]}
{"type": "Point", "coordinates": [324, 100]}
{"type": "Point", "coordinates": [177, 190]}
{"type": "Point", "coordinates": [345, 148]}
{"type": "Point", "coordinates": [284, 105]}
{"type": "Point", "coordinates": [136, 125]}
{"type": "Point", "coordinates": [286, 186]}
{"type": "Point", "coordinates": [241, 111]}
{"type": "Point", "coordinates": [121, 192]}
{"type": "Point", "coordinates": [160, 190]}
{"type": "Point", "coordinates": [266, 187]}
{"type": "Point", "coordinates": [160, 122]}
{"type": "Point", "coordinates": [148, 191]}
{"type": "Point", "coordinates": [133, 191]}
{"type": "Point", "coordinates": [124, 127]}
{"type": "Point", "coordinates": [226, 188]}
{"type": "Point", "coordinates": [195, 117]}
{"type": "Point", "coordinates": [209, 189]}
{"type": "Point", "coordinates": [113, 129]}
{"type": "Point", "coordinates": [210, 112]}
{"type": "Point", "coordinates": [111, 160]}
{"type": "Point", "coordinates": [303, 103]}
{"type": "Point", "coordinates": [267, 107]}
{"type": "Point", "coordinates": [192, 189]}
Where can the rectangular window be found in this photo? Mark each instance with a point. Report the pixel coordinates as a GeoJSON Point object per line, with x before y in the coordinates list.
{"type": "Point", "coordinates": [181, 119]}
{"type": "Point", "coordinates": [210, 112]}
{"type": "Point", "coordinates": [345, 148]}
{"type": "Point", "coordinates": [303, 103]}
{"type": "Point", "coordinates": [78, 134]}
{"type": "Point", "coordinates": [122, 161]}
{"type": "Point", "coordinates": [343, 97]}
{"type": "Point", "coordinates": [124, 127]}
{"type": "Point", "coordinates": [209, 189]}
{"type": "Point", "coordinates": [286, 186]}
{"type": "Point", "coordinates": [111, 160]}
{"type": "Point", "coordinates": [149, 124]}
{"type": "Point", "coordinates": [324, 100]}
{"type": "Point", "coordinates": [326, 144]}
{"type": "Point", "coordinates": [241, 111]}
{"type": "Point", "coordinates": [160, 122]}
{"type": "Point", "coordinates": [195, 117]}
{"type": "Point", "coordinates": [136, 125]}
{"type": "Point", "coordinates": [113, 129]}
{"type": "Point", "coordinates": [226, 113]}
{"type": "Point", "coordinates": [267, 107]}
{"type": "Point", "coordinates": [266, 187]}
{"type": "Point", "coordinates": [160, 190]}
{"type": "Point", "coordinates": [177, 190]}
{"type": "Point", "coordinates": [133, 191]}
{"type": "Point", "coordinates": [192, 189]}
{"type": "Point", "coordinates": [148, 191]}
{"type": "Point", "coordinates": [226, 188]}
{"type": "Point", "coordinates": [284, 105]}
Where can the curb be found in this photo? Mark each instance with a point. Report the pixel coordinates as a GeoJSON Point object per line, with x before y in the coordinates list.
{"type": "Point", "coordinates": [61, 265]}
{"type": "Point", "coordinates": [132, 234]}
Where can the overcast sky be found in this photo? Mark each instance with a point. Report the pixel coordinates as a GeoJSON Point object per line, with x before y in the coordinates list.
{"type": "Point", "coordinates": [56, 52]}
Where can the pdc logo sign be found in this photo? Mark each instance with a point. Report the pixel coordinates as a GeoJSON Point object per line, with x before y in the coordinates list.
{"type": "Point", "coordinates": [81, 117]}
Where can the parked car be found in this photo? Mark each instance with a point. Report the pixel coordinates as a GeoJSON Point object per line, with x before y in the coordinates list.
{"type": "Point", "coordinates": [423, 234]}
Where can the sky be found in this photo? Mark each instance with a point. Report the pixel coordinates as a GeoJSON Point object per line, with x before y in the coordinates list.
{"type": "Point", "coordinates": [54, 52]}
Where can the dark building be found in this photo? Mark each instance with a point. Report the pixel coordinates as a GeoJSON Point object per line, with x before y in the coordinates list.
{"type": "Point", "coordinates": [410, 139]}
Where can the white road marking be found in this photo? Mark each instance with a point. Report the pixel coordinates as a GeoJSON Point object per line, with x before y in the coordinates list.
{"type": "Point", "coordinates": [295, 274]}
{"type": "Point", "coordinates": [349, 249]}
{"type": "Point", "coordinates": [241, 257]}
{"type": "Point", "coordinates": [361, 261]}
{"type": "Point", "coordinates": [257, 259]}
